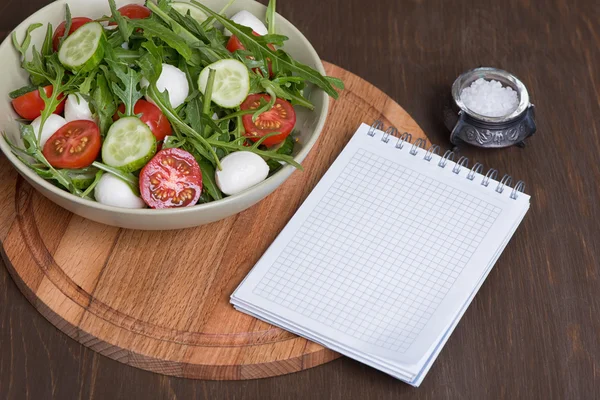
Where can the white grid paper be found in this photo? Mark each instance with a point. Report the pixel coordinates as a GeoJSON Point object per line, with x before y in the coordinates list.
{"type": "Point", "coordinates": [376, 258]}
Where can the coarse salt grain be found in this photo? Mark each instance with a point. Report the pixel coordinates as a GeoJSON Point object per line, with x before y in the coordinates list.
{"type": "Point", "coordinates": [490, 98]}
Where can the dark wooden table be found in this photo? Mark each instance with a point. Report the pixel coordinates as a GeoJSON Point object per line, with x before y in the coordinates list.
{"type": "Point", "coordinates": [533, 331]}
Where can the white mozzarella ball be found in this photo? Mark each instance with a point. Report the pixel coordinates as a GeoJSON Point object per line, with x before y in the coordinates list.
{"type": "Point", "coordinates": [241, 170]}
{"type": "Point", "coordinates": [248, 19]}
{"type": "Point", "coordinates": [77, 108]}
{"type": "Point", "coordinates": [113, 191]}
{"type": "Point", "coordinates": [52, 124]}
{"type": "Point", "coordinates": [174, 81]}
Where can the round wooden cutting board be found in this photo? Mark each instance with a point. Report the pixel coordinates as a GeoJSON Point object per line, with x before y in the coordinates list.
{"type": "Point", "coordinates": [160, 300]}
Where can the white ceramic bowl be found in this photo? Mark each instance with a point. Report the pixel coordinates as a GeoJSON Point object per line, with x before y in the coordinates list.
{"type": "Point", "coordinates": [309, 125]}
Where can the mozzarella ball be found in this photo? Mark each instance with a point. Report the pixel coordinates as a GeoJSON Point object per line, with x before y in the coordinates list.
{"type": "Point", "coordinates": [113, 191]}
{"type": "Point", "coordinates": [248, 19]}
{"type": "Point", "coordinates": [52, 124]}
{"type": "Point", "coordinates": [174, 81]}
{"type": "Point", "coordinates": [241, 170]}
{"type": "Point", "coordinates": [77, 108]}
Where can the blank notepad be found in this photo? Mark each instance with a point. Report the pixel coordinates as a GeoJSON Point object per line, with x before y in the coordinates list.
{"type": "Point", "coordinates": [384, 256]}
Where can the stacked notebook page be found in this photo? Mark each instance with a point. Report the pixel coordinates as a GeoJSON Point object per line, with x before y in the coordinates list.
{"type": "Point", "coordinates": [385, 255]}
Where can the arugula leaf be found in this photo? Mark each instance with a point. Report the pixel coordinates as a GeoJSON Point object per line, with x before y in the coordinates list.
{"type": "Point", "coordinates": [153, 28]}
{"type": "Point", "coordinates": [194, 106]}
{"type": "Point", "coordinates": [68, 24]}
{"type": "Point", "coordinates": [125, 87]}
{"type": "Point", "coordinates": [24, 46]}
{"type": "Point", "coordinates": [179, 30]}
{"type": "Point", "coordinates": [123, 26]}
{"type": "Point", "coordinates": [208, 179]}
{"type": "Point", "coordinates": [172, 141]}
{"type": "Point", "coordinates": [42, 167]}
{"type": "Point", "coordinates": [126, 56]}
{"type": "Point", "coordinates": [36, 67]}
{"type": "Point", "coordinates": [208, 53]}
{"type": "Point", "coordinates": [206, 110]}
{"type": "Point", "coordinates": [211, 21]}
{"type": "Point", "coordinates": [214, 43]}
{"type": "Point", "coordinates": [286, 93]}
{"type": "Point", "coordinates": [287, 147]}
{"type": "Point", "coordinates": [337, 82]}
{"type": "Point", "coordinates": [47, 48]}
{"type": "Point", "coordinates": [270, 17]}
{"type": "Point", "coordinates": [161, 99]}
{"type": "Point", "coordinates": [52, 102]}
{"type": "Point", "coordinates": [20, 92]}
{"type": "Point", "coordinates": [93, 184]}
{"type": "Point", "coordinates": [280, 60]}
{"type": "Point", "coordinates": [236, 114]}
{"type": "Point", "coordinates": [103, 103]}
{"type": "Point", "coordinates": [86, 85]}
{"type": "Point", "coordinates": [128, 92]}
{"type": "Point", "coordinates": [267, 105]}
{"type": "Point", "coordinates": [151, 62]}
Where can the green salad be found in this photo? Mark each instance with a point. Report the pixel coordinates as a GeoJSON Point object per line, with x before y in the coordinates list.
{"type": "Point", "coordinates": [165, 105]}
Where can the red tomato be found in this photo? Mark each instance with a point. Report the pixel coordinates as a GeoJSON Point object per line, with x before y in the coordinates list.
{"type": "Point", "coordinates": [234, 44]}
{"type": "Point", "coordinates": [171, 179]}
{"type": "Point", "coordinates": [30, 105]}
{"type": "Point", "coordinates": [76, 23]}
{"type": "Point", "coordinates": [151, 116]}
{"type": "Point", "coordinates": [76, 145]}
{"type": "Point", "coordinates": [281, 118]}
{"type": "Point", "coordinates": [133, 11]}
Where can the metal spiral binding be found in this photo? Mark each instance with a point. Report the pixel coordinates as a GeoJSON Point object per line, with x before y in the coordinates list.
{"type": "Point", "coordinates": [404, 138]}
{"type": "Point", "coordinates": [419, 143]}
{"type": "Point", "coordinates": [491, 174]}
{"type": "Point", "coordinates": [433, 149]}
{"type": "Point", "coordinates": [391, 131]}
{"type": "Point", "coordinates": [476, 169]}
{"type": "Point", "coordinates": [519, 187]}
{"type": "Point", "coordinates": [376, 125]}
{"type": "Point", "coordinates": [506, 181]}
{"type": "Point", "coordinates": [448, 155]}
{"type": "Point", "coordinates": [463, 162]}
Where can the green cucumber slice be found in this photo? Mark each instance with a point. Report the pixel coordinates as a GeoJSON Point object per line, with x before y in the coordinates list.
{"type": "Point", "coordinates": [232, 82]}
{"type": "Point", "coordinates": [195, 12]}
{"type": "Point", "coordinates": [83, 50]}
{"type": "Point", "coordinates": [129, 145]}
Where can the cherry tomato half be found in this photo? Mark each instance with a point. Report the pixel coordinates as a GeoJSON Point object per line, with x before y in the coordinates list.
{"type": "Point", "coordinates": [30, 105]}
{"type": "Point", "coordinates": [76, 23]}
{"type": "Point", "coordinates": [235, 44]}
{"type": "Point", "coordinates": [171, 179]}
{"type": "Point", "coordinates": [281, 118]}
{"type": "Point", "coordinates": [76, 145]}
{"type": "Point", "coordinates": [151, 116]}
{"type": "Point", "coordinates": [134, 11]}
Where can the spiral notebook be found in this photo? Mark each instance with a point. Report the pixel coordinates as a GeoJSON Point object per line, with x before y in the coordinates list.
{"type": "Point", "coordinates": [384, 256]}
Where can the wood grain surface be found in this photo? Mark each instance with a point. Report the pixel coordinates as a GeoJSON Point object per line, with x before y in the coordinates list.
{"type": "Point", "coordinates": [160, 300]}
{"type": "Point", "coordinates": [533, 330]}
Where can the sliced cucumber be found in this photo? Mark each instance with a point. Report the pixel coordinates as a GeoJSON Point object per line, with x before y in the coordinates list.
{"type": "Point", "coordinates": [195, 12]}
{"type": "Point", "coordinates": [83, 50]}
{"type": "Point", "coordinates": [129, 145]}
{"type": "Point", "coordinates": [232, 82]}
